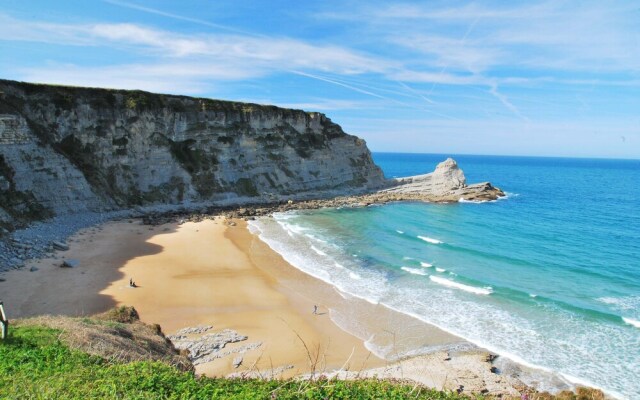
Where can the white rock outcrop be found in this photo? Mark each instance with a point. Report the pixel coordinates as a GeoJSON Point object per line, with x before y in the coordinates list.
{"type": "Point", "coordinates": [448, 176]}
{"type": "Point", "coordinates": [446, 183]}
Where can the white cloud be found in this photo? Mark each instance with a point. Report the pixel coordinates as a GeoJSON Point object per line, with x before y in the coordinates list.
{"type": "Point", "coordinates": [437, 77]}
{"type": "Point", "coordinates": [155, 11]}
{"type": "Point", "coordinates": [166, 78]}
{"type": "Point", "coordinates": [231, 51]}
{"type": "Point", "coordinates": [593, 36]}
{"type": "Point", "coordinates": [585, 138]}
{"type": "Point", "coordinates": [269, 52]}
{"type": "Point", "coordinates": [466, 12]}
{"type": "Point", "coordinates": [163, 42]}
{"type": "Point", "coordinates": [483, 68]}
{"type": "Point", "coordinates": [326, 104]}
{"type": "Point", "coordinates": [12, 29]}
{"type": "Point", "coordinates": [457, 54]}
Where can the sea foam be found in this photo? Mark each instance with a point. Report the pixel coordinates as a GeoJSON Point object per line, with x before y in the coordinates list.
{"type": "Point", "coordinates": [425, 265]}
{"type": "Point", "coordinates": [622, 303]}
{"type": "Point", "coordinates": [462, 200]}
{"type": "Point", "coordinates": [317, 239]}
{"type": "Point", "coordinates": [457, 285]}
{"type": "Point", "coordinates": [632, 322]}
{"type": "Point", "coordinates": [318, 251]}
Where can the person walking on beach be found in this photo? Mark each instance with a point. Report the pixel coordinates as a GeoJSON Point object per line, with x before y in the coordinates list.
{"type": "Point", "coordinates": [315, 309]}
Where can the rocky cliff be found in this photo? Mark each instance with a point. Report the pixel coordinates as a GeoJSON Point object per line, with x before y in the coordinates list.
{"type": "Point", "coordinates": [68, 149]}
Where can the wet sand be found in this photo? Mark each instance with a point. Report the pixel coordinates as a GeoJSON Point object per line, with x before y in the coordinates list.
{"type": "Point", "coordinates": [206, 273]}
{"type": "Point", "coordinates": [220, 274]}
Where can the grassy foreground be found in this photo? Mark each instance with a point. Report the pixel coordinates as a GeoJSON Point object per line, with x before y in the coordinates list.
{"type": "Point", "coordinates": [36, 364]}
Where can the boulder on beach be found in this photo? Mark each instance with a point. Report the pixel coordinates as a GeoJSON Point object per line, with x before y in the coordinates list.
{"type": "Point", "coordinates": [70, 263]}
{"type": "Point", "coordinates": [59, 246]}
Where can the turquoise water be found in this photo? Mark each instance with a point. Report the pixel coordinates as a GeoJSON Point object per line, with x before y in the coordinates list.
{"type": "Point", "coordinates": [549, 276]}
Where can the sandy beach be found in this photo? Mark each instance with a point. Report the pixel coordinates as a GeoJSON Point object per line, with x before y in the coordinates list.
{"type": "Point", "coordinates": [217, 273]}
{"type": "Point", "coordinates": [190, 275]}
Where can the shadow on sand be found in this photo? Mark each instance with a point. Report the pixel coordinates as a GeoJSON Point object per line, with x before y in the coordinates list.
{"type": "Point", "coordinates": [102, 252]}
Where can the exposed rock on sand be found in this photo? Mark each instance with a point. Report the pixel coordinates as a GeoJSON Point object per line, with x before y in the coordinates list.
{"type": "Point", "coordinates": [467, 372]}
{"type": "Point", "coordinates": [208, 347]}
{"type": "Point", "coordinates": [191, 330]}
{"type": "Point", "coordinates": [71, 263]}
{"type": "Point", "coordinates": [59, 246]}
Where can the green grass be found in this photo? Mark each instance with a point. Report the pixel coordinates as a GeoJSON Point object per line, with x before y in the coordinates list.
{"type": "Point", "coordinates": [34, 364]}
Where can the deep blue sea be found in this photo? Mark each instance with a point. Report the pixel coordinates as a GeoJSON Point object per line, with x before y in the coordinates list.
{"type": "Point", "coordinates": [549, 276]}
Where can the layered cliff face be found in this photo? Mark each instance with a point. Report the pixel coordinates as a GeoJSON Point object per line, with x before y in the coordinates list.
{"type": "Point", "coordinates": [65, 149]}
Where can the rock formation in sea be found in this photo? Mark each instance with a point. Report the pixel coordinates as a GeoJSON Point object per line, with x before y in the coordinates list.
{"type": "Point", "coordinates": [446, 184]}
{"type": "Point", "coordinates": [69, 149]}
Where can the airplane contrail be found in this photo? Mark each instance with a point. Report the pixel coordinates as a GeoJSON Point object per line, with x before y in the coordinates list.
{"type": "Point", "coordinates": [464, 37]}
{"type": "Point", "coordinates": [505, 101]}
{"type": "Point", "coordinates": [150, 10]}
{"type": "Point", "coordinates": [335, 82]}
{"type": "Point", "coordinates": [425, 98]}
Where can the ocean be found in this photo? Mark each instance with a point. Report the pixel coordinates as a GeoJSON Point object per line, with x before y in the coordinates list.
{"type": "Point", "coordinates": [548, 276]}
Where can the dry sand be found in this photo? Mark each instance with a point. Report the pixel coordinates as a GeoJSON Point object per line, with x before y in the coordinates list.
{"type": "Point", "coordinates": [211, 273]}
{"type": "Point", "coordinates": [189, 275]}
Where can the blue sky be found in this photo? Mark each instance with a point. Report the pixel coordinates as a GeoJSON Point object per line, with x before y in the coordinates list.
{"type": "Point", "coordinates": [551, 78]}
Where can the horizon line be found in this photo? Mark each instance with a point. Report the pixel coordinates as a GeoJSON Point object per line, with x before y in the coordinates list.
{"type": "Point", "coordinates": [507, 155]}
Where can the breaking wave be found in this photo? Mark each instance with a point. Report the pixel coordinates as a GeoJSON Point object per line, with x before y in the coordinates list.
{"type": "Point", "coordinates": [430, 240]}
{"type": "Point", "coordinates": [414, 271]}
{"type": "Point", "coordinates": [457, 285]}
